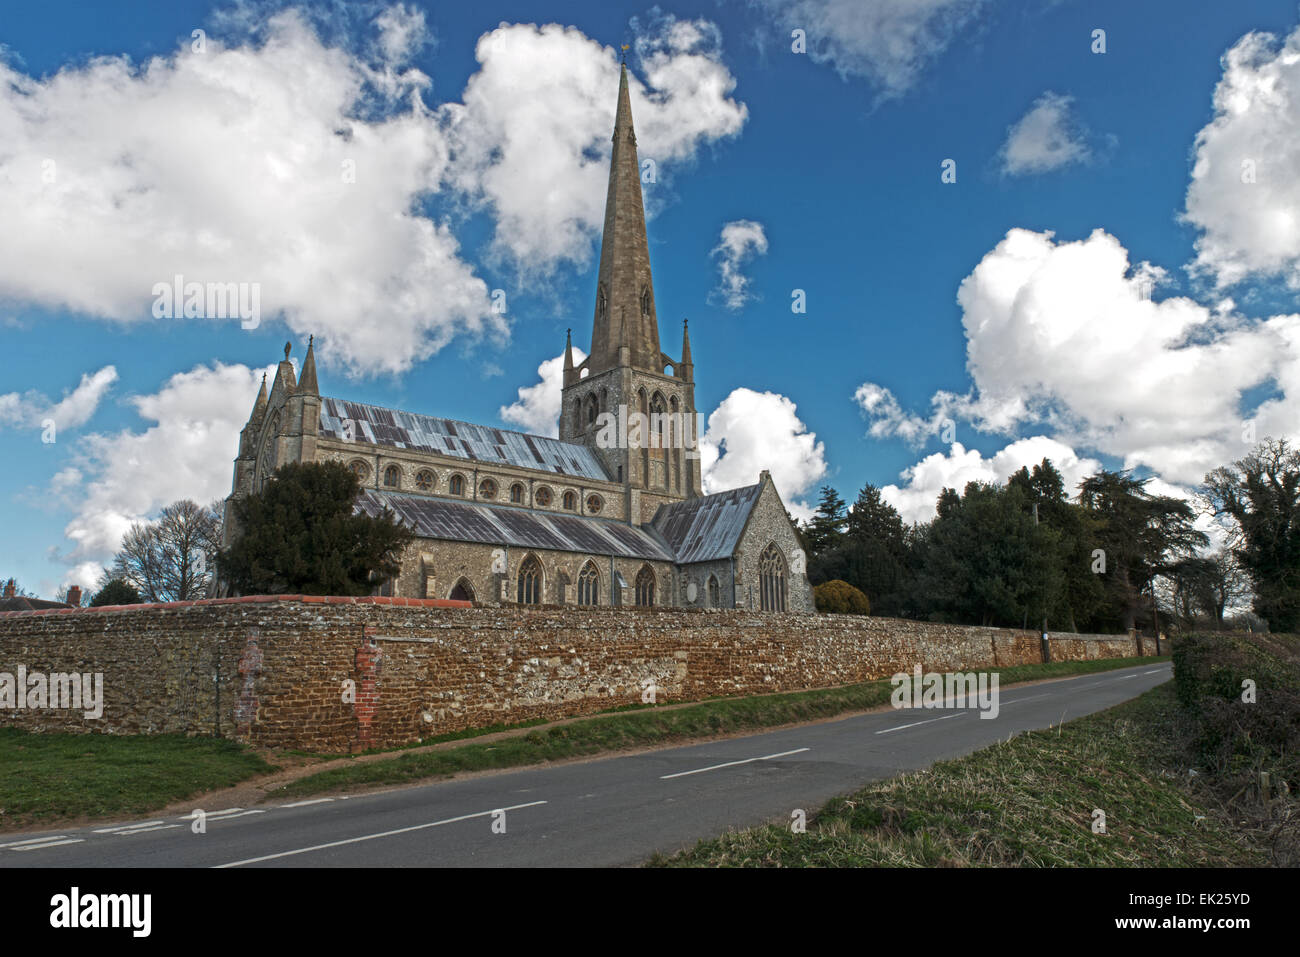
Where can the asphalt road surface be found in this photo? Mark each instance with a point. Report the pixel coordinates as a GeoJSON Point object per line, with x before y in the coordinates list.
{"type": "Point", "coordinates": [601, 812]}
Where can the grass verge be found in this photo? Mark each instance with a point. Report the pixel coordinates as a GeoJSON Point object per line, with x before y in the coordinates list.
{"type": "Point", "coordinates": [45, 777]}
{"type": "Point", "coordinates": [1028, 801]}
{"type": "Point", "coordinates": [646, 728]}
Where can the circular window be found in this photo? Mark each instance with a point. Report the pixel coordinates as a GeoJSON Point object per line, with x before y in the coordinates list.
{"type": "Point", "coordinates": [487, 489]}
{"type": "Point", "coordinates": [593, 504]}
{"type": "Point", "coordinates": [542, 496]}
{"type": "Point", "coordinates": [359, 469]}
{"type": "Point", "coordinates": [424, 480]}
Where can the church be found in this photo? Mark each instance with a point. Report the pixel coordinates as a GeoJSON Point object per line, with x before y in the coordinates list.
{"type": "Point", "coordinates": [611, 513]}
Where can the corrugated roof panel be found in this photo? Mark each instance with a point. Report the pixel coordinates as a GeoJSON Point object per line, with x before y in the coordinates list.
{"type": "Point", "coordinates": [707, 528]}
{"type": "Point", "coordinates": [502, 525]}
{"type": "Point", "coordinates": [410, 430]}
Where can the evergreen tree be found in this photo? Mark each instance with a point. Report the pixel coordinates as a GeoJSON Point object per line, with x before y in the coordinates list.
{"type": "Point", "coordinates": [115, 591]}
{"type": "Point", "coordinates": [300, 535]}
{"type": "Point", "coordinates": [824, 535]}
{"type": "Point", "coordinates": [875, 552]}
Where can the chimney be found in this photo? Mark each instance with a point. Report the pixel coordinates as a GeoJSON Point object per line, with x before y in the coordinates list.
{"type": "Point", "coordinates": [9, 588]}
{"type": "Point", "coordinates": [74, 596]}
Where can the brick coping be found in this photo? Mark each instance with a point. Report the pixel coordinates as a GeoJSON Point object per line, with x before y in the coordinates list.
{"type": "Point", "coordinates": [256, 599]}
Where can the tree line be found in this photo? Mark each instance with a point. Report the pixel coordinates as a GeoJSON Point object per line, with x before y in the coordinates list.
{"type": "Point", "coordinates": [1106, 557]}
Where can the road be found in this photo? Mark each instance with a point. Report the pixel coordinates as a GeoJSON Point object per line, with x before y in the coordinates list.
{"type": "Point", "coordinates": [604, 812]}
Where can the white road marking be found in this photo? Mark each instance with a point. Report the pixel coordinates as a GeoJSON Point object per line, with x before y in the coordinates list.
{"type": "Point", "coordinates": [371, 837]}
{"type": "Point", "coordinates": [1153, 672]}
{"type": "Point", "coordinates": [305, 803]}
{"type": "Point", "coordinates": [35, 840]}
{"type": "Point", "coordinates": [143, 830]}
{"type": "Point", "coordinates": [1003, 704]}
{"type": "Point", "coordinates": [126, 827]}
{"type": "Point", "coordinates": [37, 847]}
{"type": "Point", "coordinates": [730, 764]}
{"type": "Point", "coordinates": [1123, 677]}
{"type": "Point", "coordinates": [955, 714]}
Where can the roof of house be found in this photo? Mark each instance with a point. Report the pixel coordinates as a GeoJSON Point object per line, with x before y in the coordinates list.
{"type": "Point", "coordinates": [518, 527]}
{"type": "Point", "coordinates": [23, 603]}
{"type": "Point", "coordinates": [464, 440]}
{"type": "Point", "coordinates": [707, 528]}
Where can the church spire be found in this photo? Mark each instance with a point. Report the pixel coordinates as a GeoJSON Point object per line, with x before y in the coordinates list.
{"type": "Point", "coordinates": [624, 286]}
{"type": "Point", "coordinates": [308, 382]}
{"type": "Point", "coordinates": [688, 367]}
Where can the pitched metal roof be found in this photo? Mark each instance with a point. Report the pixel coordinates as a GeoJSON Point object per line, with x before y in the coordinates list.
{"type": "Point", "coordinates": [463, 440]}
{"type": "Point", "coordinates": [503, 525]}
{"type": "Point", "coordinates": [707, 528]}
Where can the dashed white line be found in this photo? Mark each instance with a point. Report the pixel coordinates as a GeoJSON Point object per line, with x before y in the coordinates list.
{"type": "Point", "coordinates": [37, 847]}
{"type": "Point", "coordinates": [121, 828]}
{"type": "Point", "coordinates": [1156, 671]}
{"type": "Point", "coordinates": [34, 840]}
{"type": "Point", "coordinates": [730, 764]}
{"type": "Point", "coordinates": [305, 803]}
{"type": "Point", "coordinates": [371, 837]}
{"type": "Point", "coordinates": [955, 714]}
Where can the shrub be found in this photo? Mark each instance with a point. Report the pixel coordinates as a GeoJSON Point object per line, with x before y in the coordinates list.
{"type": "Point", "coordinates": [840, 598]}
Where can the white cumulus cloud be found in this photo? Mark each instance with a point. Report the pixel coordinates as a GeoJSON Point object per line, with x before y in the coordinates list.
{"type": "Point", "coordinates": [1245, 190]}
{"type": "Point", "coordinates": [890, 42]}
{"type": "Point", "coordinates": [1046, 138]}
{"type": "Point", "coordinates": [31, 409]}
{"type": "Point", "coordinates": [741, 241]}
{"type": "Point", "coordinates": [537, 410]}
{"type": "Point", "coordinates": [751, 431]}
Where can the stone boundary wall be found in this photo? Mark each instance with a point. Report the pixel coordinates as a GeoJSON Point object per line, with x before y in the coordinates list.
{"type": "Point", "coordinates": [347, 674]}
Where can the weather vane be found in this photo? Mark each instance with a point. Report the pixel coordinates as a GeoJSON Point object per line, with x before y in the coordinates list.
{"type": "Point", "coordinates": [625, 46]}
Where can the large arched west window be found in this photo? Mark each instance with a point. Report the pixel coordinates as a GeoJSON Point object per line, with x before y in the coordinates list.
{"type": "Point", "coordinates": [645, 587]}
{"type": "Point", "coordinates": [589, 585]}
{"type": "Point", "coordinates": [530, 581]}
{"type": "Point", "coordinates": [772, 579]}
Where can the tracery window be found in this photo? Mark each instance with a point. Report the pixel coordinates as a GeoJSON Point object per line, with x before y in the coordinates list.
{"type": "Point", "coordinates": [594, 504]}
{"type": "Point", "coordinates": [772, 579]}
{"type": "Point", "coordinates": [645, 587]}
{"type": "Point", "coordinates": [542, 496]}
{"type": "Point", "coordinates": [392, 476]}
{"type": "Point", "coordinates": [589, 585]}
{"type": "Point", "coordinates": [530, 581]}
{"type": "Point", "coordinates": [424, 480]}
{"type": "Point", "coordinates": [487, 489]}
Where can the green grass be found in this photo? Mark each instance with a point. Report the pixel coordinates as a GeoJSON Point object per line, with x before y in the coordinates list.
{"type": "Point", "coordinates": [1028, 801]}
{"type": "Point", "coordinates": [45, 777]}
{"type": "Point", "coordinates": [645, 728]}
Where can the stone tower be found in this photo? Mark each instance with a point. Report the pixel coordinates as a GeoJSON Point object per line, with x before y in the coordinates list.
{"type": "Point", "coordinates": [620, 401]}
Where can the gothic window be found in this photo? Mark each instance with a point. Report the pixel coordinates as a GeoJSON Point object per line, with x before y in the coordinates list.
{"type": "Point", "coordinates": [392, 477]}
{"type": "Point", "coordinates": [772, 579]}
{"type": "Point", "coordinates": [517, 494]}
{"type": "Point", "coordinates": [570, 501]}
{"type": "Point", "coordinates": [424, 480]}
{"type": "Point", "coordinates": [645, 587]}
{"type": "Point", "coordinates": [602, 302]}
{"type": "Point", "coordinates": [715, 593]}
{"type": "Point", "coordinates": [457, 485]}
{"type": "Point", "coordinates": [359, 469]}
{"type": "Point", "coordinates": [591, 409]}
{"type": "Point", "coordinates": [542, 496]}
{"type": "Point", "coordinates": [463, 591]}
{"type": "Point", "coordinates": [589, 585]}
{"type": "Point", "coordinates": [487, 489]}
{"type": "Point", "coordinates": [594, 504]}
{"type": "Point", "coordinates": [577, 415]}
{"type": "Point", "coordinates": [645, 300]}
{"type": "Point", "coordinates": [530, 581]}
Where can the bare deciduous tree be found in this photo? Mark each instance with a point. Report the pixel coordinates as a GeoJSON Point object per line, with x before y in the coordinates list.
{"type": "Point", "coordinates": [173, 558]}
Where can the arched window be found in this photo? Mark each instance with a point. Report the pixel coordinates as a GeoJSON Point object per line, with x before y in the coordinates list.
{"type": "Point", "coordinates": [570, 501]}
{"type": "Point", "coordinates": [463, 591]}
{"type": "Point", "coordinates": [530, 581]}
{"type": "Point", "coordinates": [645, 587]}
{"type": "Point", "coordinates": [589, 585]}
{"type": "Point", "coordinates": [517, 494]}
{"type": "Point", "coordinates": [772, 579]}
{"type": "Point", "coordinates": [424, 480]}
{"type": "Point", "coordinates": [392, 477]}
{"type": "Point", "coordinates": [561, 587]}
{"type": "Point", "coordinates": [457, 485]}
{"type": "Point", "coordinates": [542, 496]}
{"type": "Point", "coordinates": [487, 489]}
{"type": "Point", "coordinates": [594, 504]}
{"type": "Point", "coordinates": [715, 592]}
{"type": "Point", "coordinates": [645, 300]}
{"type": "Point", "coordinates": [591, 409]}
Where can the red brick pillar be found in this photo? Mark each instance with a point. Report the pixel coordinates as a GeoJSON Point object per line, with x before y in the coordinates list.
{"type": "Point", "coordinates": [250, 666]}
{"type": "Point", "coordinates": [369, 664]}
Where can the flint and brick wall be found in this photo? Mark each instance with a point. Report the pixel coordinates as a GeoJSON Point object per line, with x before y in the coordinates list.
{"type": "Point", "coordinates": [343, 674]}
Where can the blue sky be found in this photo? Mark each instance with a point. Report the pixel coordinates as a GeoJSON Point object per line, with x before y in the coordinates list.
{"type": "Point", "coordinates": [477, 133]}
